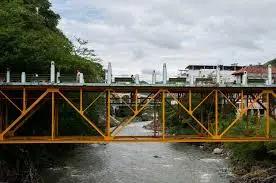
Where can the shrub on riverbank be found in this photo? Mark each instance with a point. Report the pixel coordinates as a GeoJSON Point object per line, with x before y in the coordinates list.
{"type": "Point", "coordinates": [245, 157]}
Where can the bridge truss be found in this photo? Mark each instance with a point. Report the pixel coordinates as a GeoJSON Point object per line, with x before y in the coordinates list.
{"type": "Point", "coordinates": [205, 110]}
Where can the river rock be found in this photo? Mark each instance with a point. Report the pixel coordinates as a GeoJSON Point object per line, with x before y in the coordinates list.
{"type": "Point", "coordinates": [156, 156]}
{"type": "Point", "coordinates": [217, 151]}
{"type": "Point", "coordinates": [201, 147]}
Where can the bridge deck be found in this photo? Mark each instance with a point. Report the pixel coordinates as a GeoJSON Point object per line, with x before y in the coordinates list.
{"type": "Point", "coordinates": [118, 139]}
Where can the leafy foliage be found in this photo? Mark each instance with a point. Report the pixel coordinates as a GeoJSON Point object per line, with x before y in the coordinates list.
{"type": "Point", "coordinates": [272, 62]}
{"type": "Point", "coordinates": [30, 40]}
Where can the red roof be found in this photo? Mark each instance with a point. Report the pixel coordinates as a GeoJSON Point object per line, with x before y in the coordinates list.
{"type": "Point", "coordinates": [254, 70]}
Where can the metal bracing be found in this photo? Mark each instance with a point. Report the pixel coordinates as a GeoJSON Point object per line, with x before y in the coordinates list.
{"type": "Point", "coordinates": [165, 97]}
{"type": "Point", "coordinates": [120, 127]}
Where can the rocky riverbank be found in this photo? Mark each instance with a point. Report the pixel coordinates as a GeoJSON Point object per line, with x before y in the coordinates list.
{"type": "Point", "coordinates": [256, 175]}
{"type": "Point", "coordinates": [22, 163]}
{"type": "Point", "coordinates": [265, 172]}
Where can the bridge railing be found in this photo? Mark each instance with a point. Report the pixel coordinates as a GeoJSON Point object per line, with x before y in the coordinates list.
{"type": "Point", "coordinates": [40, 78]}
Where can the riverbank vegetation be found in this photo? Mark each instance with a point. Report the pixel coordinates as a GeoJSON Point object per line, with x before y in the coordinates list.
{"type": "Point", "coordinates": [254, 161]}
{"type": "Point", "coordinates": [29, 41]}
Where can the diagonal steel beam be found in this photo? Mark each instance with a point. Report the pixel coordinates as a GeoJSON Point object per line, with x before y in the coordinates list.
{"type": "Point", "coordinates": [141, 103]}
{"type": "Point", "coordinates": [124, 103]}
{"type": "Point", "coordinates": [228, 100]}
{"type": "Point", "coordinates": [10, 101]}
{"type": "Point", "coordinates": [81, 113]}
{"type": "Point", "coordinates": [23, 114]}
{"type": "Point", "coordinates": [191, 114]}
{"type": "Point", "coordinates": [203, 100]}
{"type": "Point", "coordinates": [100, 95]}
{"type": "Point", "coordinates": [121, 126]}
{"type": "Point", "coordinates": [243, 111]}
{"type": "Point", "coordinates": [193, 128]}
{"type": "Point", "coordinates": [30, 114]}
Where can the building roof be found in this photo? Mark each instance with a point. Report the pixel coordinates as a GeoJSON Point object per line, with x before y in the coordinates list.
{"type": "Point", "coordinates": [222, 67]}
{"type": "Point", "coordinates": [256, 69]}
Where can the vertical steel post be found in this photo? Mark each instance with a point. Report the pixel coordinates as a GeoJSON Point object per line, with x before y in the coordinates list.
{"type": "Point", "coordinates": [201, 114]}
{"type": "Point", "coordinates": [190, 100]}
{"type": "Point", "coordinates": [53, 116]}
{"type": "Point", "coordinates": [267, 126]}
{"type": "Point", "coordinates": [242, 100]}
{"type": "Point", "coordinates": [178, 107]}
{"type": "Point", "coordinates": [81, 101]}
{"type": "Point", "coordinates": [6, 114]}
{"type": "Point", "coordinates": [247, 113]}
{"type": "Point", "coordinates": [216, 108]}
{"type": "Point", "coordinates": [154, 117]}
{"type": "Point", "coordinates": [107, 130]}
{"type": "Point", "coordinates": [24, 99]}
{"type": "Point", "coordinates": [56, 118]}
{"type": "Point", "coordinates": [1, 116]}
{"type": "Point", "coordinates": [136, 101]}
{"type": "Point", "coordinates": [163, 115]}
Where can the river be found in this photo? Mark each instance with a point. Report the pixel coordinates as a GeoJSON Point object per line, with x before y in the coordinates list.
{"type": "Point", "coordinates": [139, 162]}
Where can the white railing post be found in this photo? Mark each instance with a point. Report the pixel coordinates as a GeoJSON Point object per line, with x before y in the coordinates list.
{"type": "Point", "coordinates": [81, 78]}
{"type": "Point", "coordinates": [269, 75]}
{"type": "Point", "coordinates": [58, 77]}
{"type": "Point", "coordinates": [164, 74]}
{"type": "Point", "coordinates": [52, 72]}
{"type": "Point", "coordinates": [109, 74]}
{"type": "Point", "coordinates": [8, 76]}
{"type": "Point", "coordinates": [191, 80]}
{"type": "Point", "coordinates": [105, 75]}
{"type": "Point", "coordinates": [23, 77]}
{"type": "Point", "coordinates": [218, 75]}
{"type": "Point", "coordinates": [137, 79]}
{"type": "Point", "coordinates": [153, 77]}
{"type": "Point", "coordinates": [244, 78]}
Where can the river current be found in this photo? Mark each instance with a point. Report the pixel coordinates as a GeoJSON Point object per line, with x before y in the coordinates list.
{"type": "Point", "coordinates": [139, 163]}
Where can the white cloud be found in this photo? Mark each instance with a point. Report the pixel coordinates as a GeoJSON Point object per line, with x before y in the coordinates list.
{"type": "Point", "coordinates": [138, 36]}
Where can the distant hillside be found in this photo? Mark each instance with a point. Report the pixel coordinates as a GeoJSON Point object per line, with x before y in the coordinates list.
{"type": "Point", "coordinates": [272, 62]}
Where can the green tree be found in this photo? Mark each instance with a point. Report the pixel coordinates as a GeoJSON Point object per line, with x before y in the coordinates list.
{"type": "Point", "coordinates": [30, 40]}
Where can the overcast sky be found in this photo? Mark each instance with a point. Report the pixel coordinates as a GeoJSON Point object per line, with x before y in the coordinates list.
{"type": "Point", "coordinates": [137, 36]}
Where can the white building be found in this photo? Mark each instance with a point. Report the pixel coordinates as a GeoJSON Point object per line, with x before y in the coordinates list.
{"type": "Point", "coordinates": [255, 74]}
{"type": "Point", "coordinates": [209, 72]}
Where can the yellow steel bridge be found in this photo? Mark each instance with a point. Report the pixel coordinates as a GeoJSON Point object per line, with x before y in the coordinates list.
{"type": "Point", "coordinates": [204, 109]}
